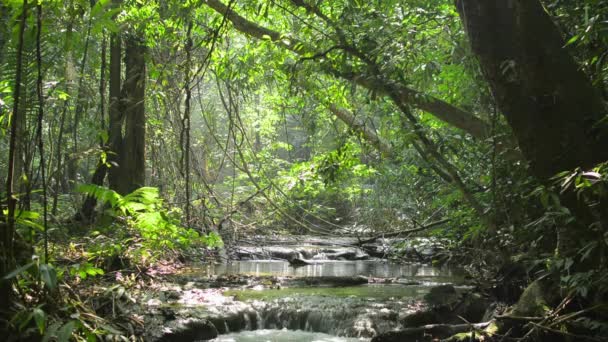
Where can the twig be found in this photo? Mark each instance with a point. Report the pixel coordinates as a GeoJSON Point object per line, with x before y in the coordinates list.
{"type": "Point", "coordinates": [565, 333]}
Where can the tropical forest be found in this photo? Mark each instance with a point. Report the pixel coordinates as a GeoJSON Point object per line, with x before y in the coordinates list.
{"type": "Point", "coordinates": [303, 170]}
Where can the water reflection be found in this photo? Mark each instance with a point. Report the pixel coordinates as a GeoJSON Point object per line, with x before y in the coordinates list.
{"type": "Point", "coordinates": [376, 269]}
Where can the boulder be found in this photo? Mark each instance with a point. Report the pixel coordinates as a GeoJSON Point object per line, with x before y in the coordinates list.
{"type": "Point", "coordinates": [188, 330]}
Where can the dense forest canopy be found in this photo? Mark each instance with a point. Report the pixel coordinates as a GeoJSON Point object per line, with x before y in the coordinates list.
{"type": "Point", "coordinates": [138, 131]}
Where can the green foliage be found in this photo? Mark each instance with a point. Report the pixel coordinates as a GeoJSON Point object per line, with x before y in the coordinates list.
{"type": "Point", "coordinates": [581, 240]}
{"type": "Point", "coordinates": [152, 230]}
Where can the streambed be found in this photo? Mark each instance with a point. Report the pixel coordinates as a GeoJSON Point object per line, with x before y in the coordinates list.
{"type": "Point", "coordinates": [326, 300]}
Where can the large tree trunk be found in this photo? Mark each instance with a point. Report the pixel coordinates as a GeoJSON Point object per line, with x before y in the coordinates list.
{"type": "Point", "coordinates": [550, 104]}
{"type": "Point", "coordinates": [133, 153]}
{"type": "Point", "coordinates": [115, 113]}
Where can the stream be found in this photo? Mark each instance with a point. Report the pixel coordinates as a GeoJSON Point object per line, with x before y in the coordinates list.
{"type": "Point", "coordinates": [331, 299]}
{"type": "Point", "coordinates": [334, 268]}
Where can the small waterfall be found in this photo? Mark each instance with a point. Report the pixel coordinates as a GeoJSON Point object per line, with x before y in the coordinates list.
{"type": "Point", "coordinates": [248, 325]}
{"type": "Point", "coordinates": [335, 316]}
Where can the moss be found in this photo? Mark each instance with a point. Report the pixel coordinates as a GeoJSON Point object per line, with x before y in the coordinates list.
{"type": "Point", "coordinates": [492, 329]}
{"type": "Point", "coordinates": [533, 301]}
{"type": "Point", "coordinates": [466, 336]}
{"type": "Point", "coordinates": [489, 331]}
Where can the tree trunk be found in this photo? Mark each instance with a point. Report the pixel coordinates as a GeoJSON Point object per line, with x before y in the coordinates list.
{"type": "Point", "coordinates": [88, 207]}
{"type": "Point", "coordinates": [133, 152]}
{"type": "Point", "coordinates": [550, 104]}
{"type": "Point", "coordinates": [115, 112]}
{"type": "Point", "coordinates": [7, 225]}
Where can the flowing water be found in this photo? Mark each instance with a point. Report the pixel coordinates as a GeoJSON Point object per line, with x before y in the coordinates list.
{"type": "Point", "coordinates": [274, 335]}
{"type": "Point", "coordinates": [302, 313]}
{"type": "Point", "coordinates": [368, 268]}
{"type": "Point", "coordinates": [321, 313]}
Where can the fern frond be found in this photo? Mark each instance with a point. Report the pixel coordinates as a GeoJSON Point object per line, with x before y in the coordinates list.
{"type": "Point", "coordinates": [146, 195]}
{"type": "Point", "coordinates": [101, 194]}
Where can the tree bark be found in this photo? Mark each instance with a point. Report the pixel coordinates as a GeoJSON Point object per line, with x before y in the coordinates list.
{"type": "Point", "coordinates": [359, 127]}
{"type": "Point", "coordinates": [7, 225]}
{"type": "Point", "coordinates": [550, 104]}
{"type": "Point", "coordinates": [88, 207]}
{"type": "Point", "coordinates": [133, 152]}
{"type": "Point", "coordinates": [115, 112]}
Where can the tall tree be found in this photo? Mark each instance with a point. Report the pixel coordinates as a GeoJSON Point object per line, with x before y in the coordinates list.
{"type": "Point", "coordinates": [133, 151]}
{"type": "Point", "coordinates": [115, 112]}
{"type": "Point", "coordinates": [554, 111]}
{"type": "Point", "coordinates": [7, 225]}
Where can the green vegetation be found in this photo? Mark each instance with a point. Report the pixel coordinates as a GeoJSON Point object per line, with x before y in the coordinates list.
{"type": "Point", "coordinates": [139, 132]}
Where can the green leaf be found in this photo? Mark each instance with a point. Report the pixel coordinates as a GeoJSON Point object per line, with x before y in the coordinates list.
{"type": "Point", "coordinates": [48, 274]}
{"type": "Point", "coordinates": [51, 332]}
{"type": "Point", "coordinates": [40, 319]}
{"type": "Point", "coordinates": [18, 271]}
{"type": "Point", "coordinates": [65, 332]}
{"type": "Point", "coordinates": [572, 40]}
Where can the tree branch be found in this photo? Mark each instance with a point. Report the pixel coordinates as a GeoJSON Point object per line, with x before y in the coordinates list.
{"type": "Point", "coordinates": [440, 109]}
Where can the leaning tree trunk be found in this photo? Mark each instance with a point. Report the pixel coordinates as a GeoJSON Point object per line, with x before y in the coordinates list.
{"type": "Point", "coordinates": [550, 104]}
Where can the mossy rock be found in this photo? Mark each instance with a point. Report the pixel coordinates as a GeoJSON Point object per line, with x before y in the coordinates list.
{"type": "Point", "coordinates": [534, 301]}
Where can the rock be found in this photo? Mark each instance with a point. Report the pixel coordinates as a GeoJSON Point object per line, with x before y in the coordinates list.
{"type": "Point", "coordinates": [442, 295]}
{"type": "Point", "coordinates": [472, 307]}
{"type": "Point", "coordinates": [432, 332]}
{"type": "Point", "coordinates": [533, 301]}
{"type": "Point", "coordinates": [419, 318]}
{"type": "Point", "coordinates": [188, 330]}
{"type": "Point", "coordinates": [154, 302]}
{"type": "Point", "coordinates": [298, 262]}
{"type": "Point", "coordinates": [409, 282]}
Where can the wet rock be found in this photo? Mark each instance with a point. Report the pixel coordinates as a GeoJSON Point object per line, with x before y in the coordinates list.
{"type": "Point", "coordinates": [188, 330]}
{"type": "Point", "coordinates": [419, 318]}
{"type": "Point", "coordinates": [408, 282]}
{"type": "Point", "coordinates": [442, 295]}
{"type": "Point", "coordinates": [472, 307]}
{"type": "Point", "coordinates": [376, 250]}
{"type": "Point", "coordinates": [287, 253]}
{"type": "Point", "coordinates": [298, 262]}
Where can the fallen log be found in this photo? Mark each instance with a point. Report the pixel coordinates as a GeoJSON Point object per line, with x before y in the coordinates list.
{"type": "Point", "coordinates": [401, 232]}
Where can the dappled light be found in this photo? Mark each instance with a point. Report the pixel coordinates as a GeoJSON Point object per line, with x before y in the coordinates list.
{"type": "Point", "coordinates": [301, 170]}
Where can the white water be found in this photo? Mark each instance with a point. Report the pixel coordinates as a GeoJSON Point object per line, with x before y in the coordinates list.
{"type": "Point", "coordinates": [272, 335]}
